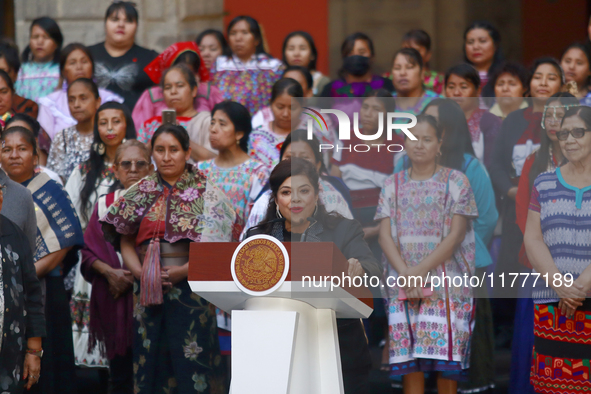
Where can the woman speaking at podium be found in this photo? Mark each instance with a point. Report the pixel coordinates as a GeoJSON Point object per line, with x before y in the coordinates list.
{"type": "Point", "coordinates": [175, 341]}
{"type": "Point", "coordinates": [295, 214]}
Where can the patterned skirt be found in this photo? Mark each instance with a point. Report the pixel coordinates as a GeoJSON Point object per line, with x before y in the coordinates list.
{"type": "Point", "coordinates": [176, 348]}
{"type": "Point", "coordinates": [561, 361]}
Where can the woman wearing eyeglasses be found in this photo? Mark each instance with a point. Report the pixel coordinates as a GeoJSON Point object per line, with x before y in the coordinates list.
{"type": "Point", "coordinates": [558, 245]}
{"type": "Point", "coordinates": [92, 179]}
{"type": "Point", "coordinates": [111, 300]}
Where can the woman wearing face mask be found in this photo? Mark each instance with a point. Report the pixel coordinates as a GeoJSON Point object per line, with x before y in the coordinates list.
{"type": "Point", "coordinates": [518, 138]}
{"type": "Point", "coordinates": [356, 78]}
{"type": "Point", "coordinates": [54, 112]}
{"type": "Point", "coordinates": [89, 181]}
{"type": "Point", "coordinates": [425, 215]}
{"type": "Point", "coordinates": [333, 193]}
{"type": "Point", "coordinates": [58, 233]}
{"type": "Point", "coordinates": [247, 76]}
{"type": "Point", "coordinates": [407, 75]}
{"type": "Point", "coordinates": [71, 146]}
{"type": "Point", "coordinates": [576, 63]}
{"type": "Point", "coordinates": [174, 329]}
{"type": "Point", "coordinates": [558, 245]}
{"type": "Point", "coordinates": [482, 49]}
{"type": "Point", "coordinates": [152, 102]}
{"type": "Point", "coordinates": [510, 83]}
{"type": "Point", "coordinates": [111, 299]}
{"type": "Point", "coordinates": [39, 74]}
{"type": "Point", "coordinates": [295, 197]}
{"type": "Point", "coordinates": [119, 61]}
{"type": "Point", "coordinates": [212, 44]}
{"type": "Point", "coordinates": [547, 158]}
{"type": "Point", "coordinates": [462, 85]}
{"type": "Point", "coordinates": [299, 50]}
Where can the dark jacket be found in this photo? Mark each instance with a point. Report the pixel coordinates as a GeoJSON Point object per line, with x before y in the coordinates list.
{"type": "Point", "coordinates": [347, 235]}
{"type": "Point", "coordinates": [23, 310]}
{"type": "Point", "coordinates": [18, 206]}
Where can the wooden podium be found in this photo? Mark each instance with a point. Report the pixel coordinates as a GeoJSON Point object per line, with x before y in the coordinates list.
{"type": "Point", "coordinates": [284, 340]}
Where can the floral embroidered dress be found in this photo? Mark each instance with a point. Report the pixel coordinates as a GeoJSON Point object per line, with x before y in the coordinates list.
{"type": "Point", "coordinates": [248, 83]}
{"type": "Point", "coordinates": [68, 150]}
{"type": "Point", "coordinates": [176, 343]}
{"type": "Point", "coordinates": [36, 80]}
{"type": "Point", "coordinates": [435, 333]}
{"type": "Point", "coordinates": [242, 183]}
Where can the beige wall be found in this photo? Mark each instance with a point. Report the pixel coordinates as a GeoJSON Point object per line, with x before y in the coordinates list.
{"type": "Point", "coordinates": [386, 21]}
{"type": "Point", "coordinates": [162, 22]}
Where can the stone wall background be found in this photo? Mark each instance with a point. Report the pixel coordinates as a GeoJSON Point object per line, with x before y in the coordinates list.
{"type": "Point", "coordinates": [161, 22]}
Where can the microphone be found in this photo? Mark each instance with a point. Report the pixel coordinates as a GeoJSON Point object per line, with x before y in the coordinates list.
{"type": "Point", "coordinates": [278, 220]}
{"type": "Point", "coordinates": [312, 221]}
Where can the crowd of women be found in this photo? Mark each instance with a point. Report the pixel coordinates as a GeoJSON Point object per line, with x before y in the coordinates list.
{"type": "Point", "coordinates": [101, 195]}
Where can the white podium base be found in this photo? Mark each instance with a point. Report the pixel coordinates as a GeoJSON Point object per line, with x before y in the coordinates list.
{"type": "Point", "coordinates": [284, 346]}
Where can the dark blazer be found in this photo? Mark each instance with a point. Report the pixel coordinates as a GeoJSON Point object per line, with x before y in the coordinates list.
{"type": "Point", "coordinates": [347, 235]}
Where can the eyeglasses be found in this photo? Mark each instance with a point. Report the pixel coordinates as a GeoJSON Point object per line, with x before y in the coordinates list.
{"type": "Point", "coordinates": [562, 135]}
{"type": "Point", "coordinates": [139, 165]}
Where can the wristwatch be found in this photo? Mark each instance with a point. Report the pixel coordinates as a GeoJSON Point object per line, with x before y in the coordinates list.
{"type": "Point", "coordinates": [38, 353]}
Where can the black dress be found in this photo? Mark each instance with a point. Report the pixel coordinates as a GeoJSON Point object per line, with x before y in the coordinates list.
{"type": "Point", "coordinates": [21, 308]}
{"type": "Point", "coordinates": [347, 235]}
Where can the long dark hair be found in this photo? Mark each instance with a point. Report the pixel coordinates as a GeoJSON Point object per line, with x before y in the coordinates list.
{"type": "Point", "coordinates": [34, 126]}
{"type": "Point", "coordinates": [254, 28]}
{"type": "Point", "coordinates": [286, 169]}
{"type": "Point", "coordinates": [493, 32]}
{"type": "Point", "coordinates": [313, 51]}
{"type": "Point", "coordinates": [4, 75]}
{"type": "Point", "coordinates": [96, 162]}
{"type": "Point", "coordinates": [456, 135]}
{"type": "Point", "coordinates": [542, 158]}
{"type": "Point", "coordinates": [219, 36]}
{"type": "Point", "coordinates": [53, 30]}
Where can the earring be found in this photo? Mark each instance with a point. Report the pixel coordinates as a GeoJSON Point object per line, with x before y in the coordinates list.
{"type": "Point", "coordinates": [99, 148]}
{"type": "Point", "coordinates": [279, 215]}
{"type": "Point", "coordinates": [315, 209]}
{"type": "Point", "coordinates": [124, 140]}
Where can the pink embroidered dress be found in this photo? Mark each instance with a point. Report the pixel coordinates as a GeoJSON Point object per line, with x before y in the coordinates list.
{"type": "Point", "coordinates": [440, 326]}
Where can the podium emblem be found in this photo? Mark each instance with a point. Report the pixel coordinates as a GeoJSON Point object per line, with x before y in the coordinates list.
{"type": "Point", "coordinates": [260, 265]}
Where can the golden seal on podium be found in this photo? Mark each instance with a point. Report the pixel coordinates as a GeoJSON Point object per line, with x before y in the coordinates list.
{"type": "Point", "coordinates": [260, 265]}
